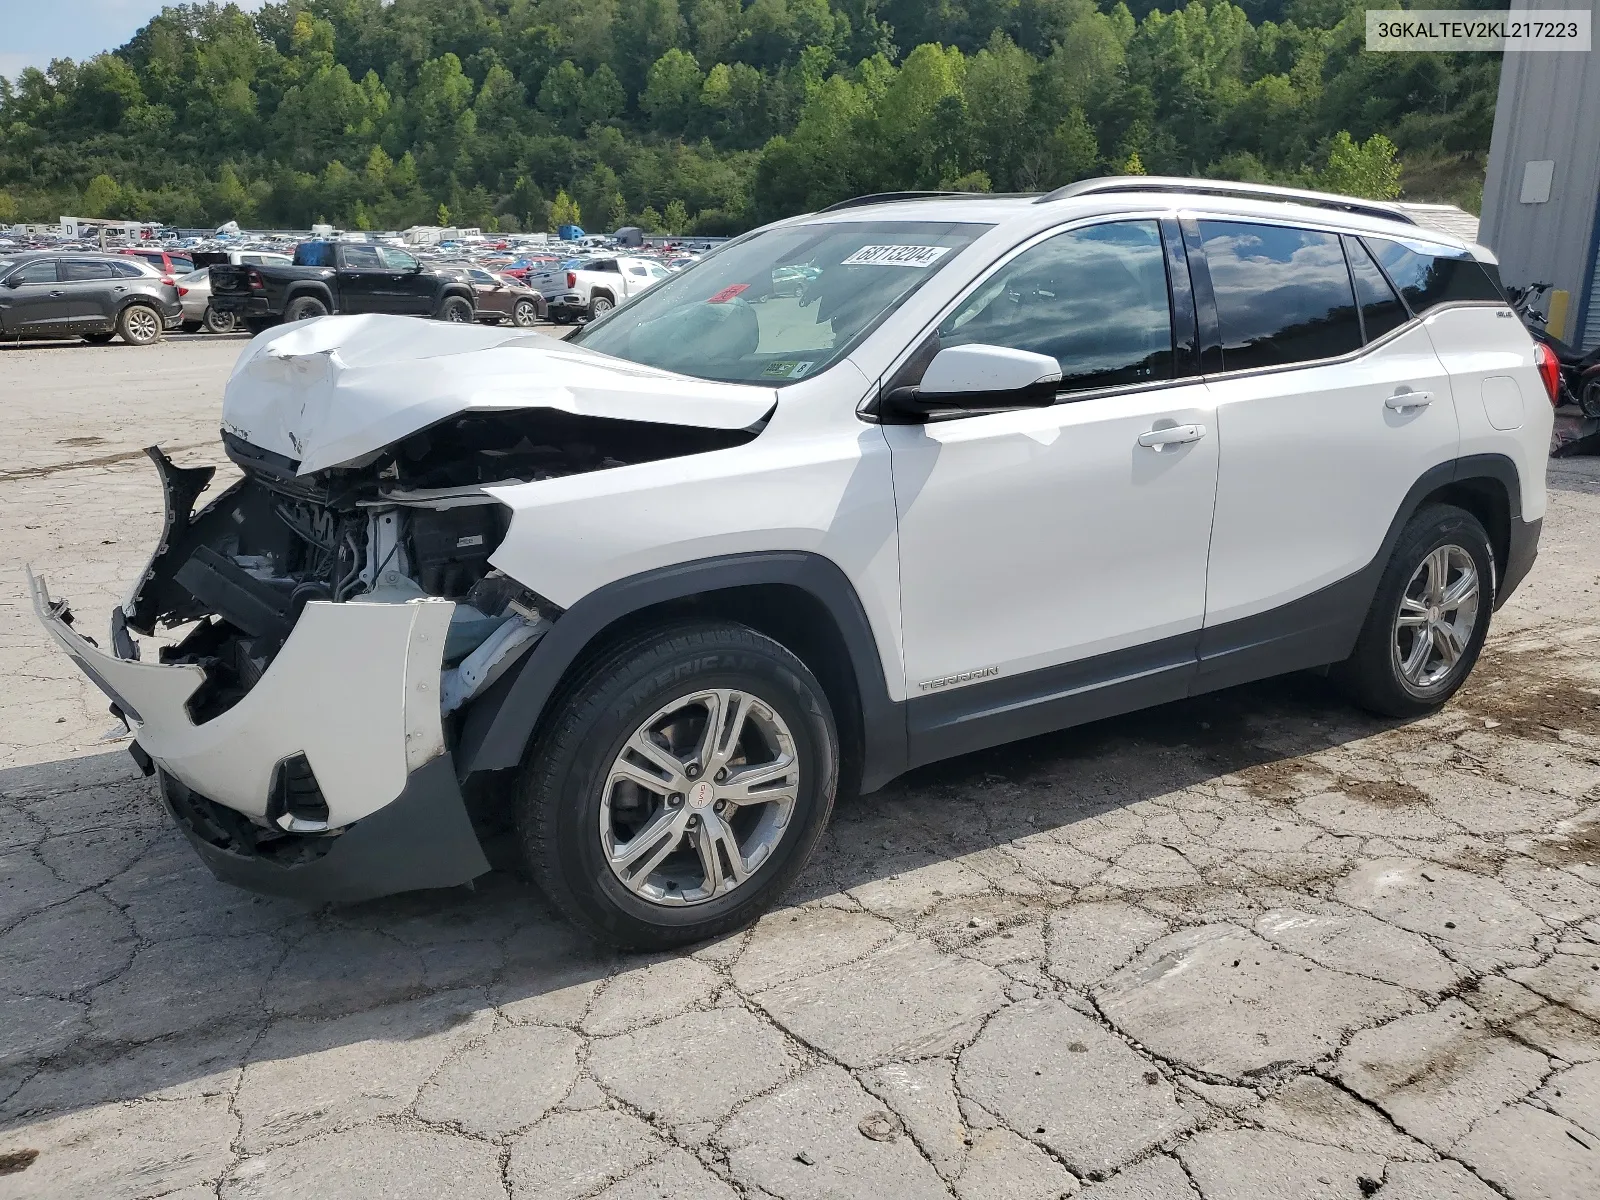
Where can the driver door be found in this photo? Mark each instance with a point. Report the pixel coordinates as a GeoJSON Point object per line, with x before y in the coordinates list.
{"type": "Point", "coordinates": [407, 289]}
{"type": "Point", "coordinates": [1053, 561]}
{"type": "Point", "coordinates": [363, 282]}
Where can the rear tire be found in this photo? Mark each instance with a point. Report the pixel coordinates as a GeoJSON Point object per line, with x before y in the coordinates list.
{"type": "Point", "coordinates": [140, 325]}
{"type": "Point", "coordinates": [599, 306]}
{"type": "Point", "coordinates": [192, 326]}
{"type": "Point", "coordinates": [99, 339]}
{"type": "Point", "coordinates": [525, 314]}
{"type": "Point", "coordinates": [218, 322]}
{"type": "Point", "coordinates": [1428, 619]}
{"type": "Point", "coordinates": [578, 809]}
{"type": "Point", "coordinates": [255, 325]}
{"type": "Point", "coordinates": [304, 308]}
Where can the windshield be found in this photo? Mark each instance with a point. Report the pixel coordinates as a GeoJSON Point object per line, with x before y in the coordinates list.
{"type": "Point", "coordinates": [781, 304]}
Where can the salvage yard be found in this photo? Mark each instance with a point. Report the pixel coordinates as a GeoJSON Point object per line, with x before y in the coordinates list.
{"type": "Point", "coordinates": [1247, 947]}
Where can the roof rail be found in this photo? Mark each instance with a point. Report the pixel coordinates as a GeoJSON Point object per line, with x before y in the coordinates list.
{"type": "Point", "coordinates": [1220, 187]}
{"type": "Point", "coordinates": [891, 197]}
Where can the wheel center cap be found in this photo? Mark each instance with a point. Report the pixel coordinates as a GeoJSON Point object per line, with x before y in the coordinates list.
{"type": "Point", "coordinates": [1434, 613]}
{"type": "Point", "coordinates": [701, 794]}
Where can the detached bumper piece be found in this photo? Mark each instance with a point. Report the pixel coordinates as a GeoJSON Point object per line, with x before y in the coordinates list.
{"type": "Point", "coordinates": [422, 839]}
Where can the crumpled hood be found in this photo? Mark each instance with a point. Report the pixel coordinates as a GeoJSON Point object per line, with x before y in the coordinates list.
{"type": "Point", "coordinates": [330, 391]}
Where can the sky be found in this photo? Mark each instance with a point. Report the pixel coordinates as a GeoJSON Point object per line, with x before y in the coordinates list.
{"type": "Point", "coordinates": [32, 32]}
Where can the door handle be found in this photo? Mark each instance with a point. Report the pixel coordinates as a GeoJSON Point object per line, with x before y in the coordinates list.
{"type": "Point", "coordinates": [1401, 401]}
{"type": "Point", "coordinates": [57, 293]}
{"type": "Point", "coordinates": [1172, 435]}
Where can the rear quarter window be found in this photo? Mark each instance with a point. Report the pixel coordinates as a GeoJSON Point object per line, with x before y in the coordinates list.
{"type": "Point", "coordinates": [313, 254]}
{"type": "Point", "coordinates": [1429, 275]}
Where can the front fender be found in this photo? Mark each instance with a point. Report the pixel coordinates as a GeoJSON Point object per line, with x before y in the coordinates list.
{"type": "Point", "coordinates": [498, 728]}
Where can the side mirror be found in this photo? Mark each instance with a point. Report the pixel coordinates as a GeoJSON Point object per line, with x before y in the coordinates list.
{"type": "Point", "coordinates": [15, 281]}
{"type": "Point", "coordinates": [977, 378]}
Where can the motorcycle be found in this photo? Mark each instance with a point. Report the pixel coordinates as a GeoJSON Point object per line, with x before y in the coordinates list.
{"type": "Point", "coordinates": [1580, 371]}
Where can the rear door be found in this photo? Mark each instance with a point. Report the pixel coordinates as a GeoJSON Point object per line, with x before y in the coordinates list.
{"type": "Point", "coordinates": [89, 285]}
{"type": "Point", "coordinates": [32, 297]}
{"type": "Point", "coordinates": [1327, 412]}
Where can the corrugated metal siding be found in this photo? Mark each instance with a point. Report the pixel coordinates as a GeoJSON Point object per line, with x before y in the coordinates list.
{"type": "Point", "coordinates": [1591, 314]}
{"type": "Point", "coordinates": [1545, 111]}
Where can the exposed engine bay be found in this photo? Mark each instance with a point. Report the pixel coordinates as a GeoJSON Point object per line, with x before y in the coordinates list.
{"type": "Point", "coordinates": [410, 521]}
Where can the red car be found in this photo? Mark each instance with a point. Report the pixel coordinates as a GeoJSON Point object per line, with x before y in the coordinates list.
{"type": "Point", "coordinates": [169, 264]}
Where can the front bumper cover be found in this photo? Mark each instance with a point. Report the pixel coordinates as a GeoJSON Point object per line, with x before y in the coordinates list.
{"type": "Point", "coordinates": [422, 839]}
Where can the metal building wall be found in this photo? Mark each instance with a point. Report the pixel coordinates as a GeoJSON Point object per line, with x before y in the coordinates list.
{"type": "Point", "coordinates": [1548, 109]}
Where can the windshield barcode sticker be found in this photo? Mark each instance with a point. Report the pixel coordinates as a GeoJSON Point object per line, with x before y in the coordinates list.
{"type": "Point", "coordinates": [896, 256]}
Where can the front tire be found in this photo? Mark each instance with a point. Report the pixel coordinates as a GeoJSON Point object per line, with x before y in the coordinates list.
{"type": "Point", "coordinates": [456, 311]}
{"type": "Point", "coordinates": [139, 325]}
{"type": "Point", "coordinates": [1428, 619]}
{"type": "Point", "coordinates": [646, 832]}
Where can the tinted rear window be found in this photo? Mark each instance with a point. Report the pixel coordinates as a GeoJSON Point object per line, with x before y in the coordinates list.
{"type": "Point", "coordinates": [1283, 294]}
{"type": "Point", "coordinates": [79, 269]}
{"type": "Point", "coordinates": [313, 254]}
{"type": "Point", "coordinates": [1428, 275]}
{"type": "Point", "coordinates": [1381, 309]}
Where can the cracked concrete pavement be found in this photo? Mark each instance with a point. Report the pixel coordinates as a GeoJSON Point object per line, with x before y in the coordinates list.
{"type": "Point", "coordinates": [1255, 945]}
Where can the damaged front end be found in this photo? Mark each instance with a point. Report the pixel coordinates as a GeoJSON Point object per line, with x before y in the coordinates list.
{"type": "Point", "coordinates": [320, 636]}
{"type": "Point", "coordinates": [315, 634]}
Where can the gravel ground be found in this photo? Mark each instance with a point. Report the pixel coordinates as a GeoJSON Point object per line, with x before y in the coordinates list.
{"type": "Point", "coordinates": [1249, 946]}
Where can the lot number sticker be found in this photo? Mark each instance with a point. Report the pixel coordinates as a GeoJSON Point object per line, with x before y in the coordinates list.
{"type": "Point", "coordinates": [896, 256]}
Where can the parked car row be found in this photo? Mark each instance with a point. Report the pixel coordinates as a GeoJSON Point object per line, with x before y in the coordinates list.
{"type": "Point", "coordinates": [93, 296]}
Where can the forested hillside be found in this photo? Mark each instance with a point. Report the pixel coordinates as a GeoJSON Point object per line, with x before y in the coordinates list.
{"type": "Point", "coordinates": [714, 115]}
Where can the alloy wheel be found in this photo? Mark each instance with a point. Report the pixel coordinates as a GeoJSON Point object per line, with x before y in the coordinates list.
{"type": "Point", "coordinates": [1435, 621]}
{"type": "Point", "coordinates": [699, 797]}
{"type": "Point", "coordinates": [142, 324]}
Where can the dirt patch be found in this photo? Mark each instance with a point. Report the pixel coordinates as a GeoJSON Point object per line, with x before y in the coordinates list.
{"type": "Point", "coordinates": [1577, 845]}
{"type": "Point", "coordinates": [1277, 780]}
{"type": "Point", "coordinates": [1384, 793]}
{"type": "Point", "coordinates": [1522, 693]}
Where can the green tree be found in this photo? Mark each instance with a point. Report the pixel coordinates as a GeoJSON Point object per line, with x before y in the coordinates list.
{"type": "Point", "coordinates": [650, 220]}
{"type": "Point", "coordinates": [672, 90]}
{"type": "Point", "coordinates": [103, 198]}
{"type": "Point", "coordinates": [8, 208]}
{"type": "Point", "coordinates": [602, 97]}
{"type": "Point", "coordinates": [1361, 169]}
{"type": "Point", "coordinates": [676, 219]}
{"type": "Point", "coordinates": [564, 211]}
{"type": "Point", "coordinates": [443, 214]}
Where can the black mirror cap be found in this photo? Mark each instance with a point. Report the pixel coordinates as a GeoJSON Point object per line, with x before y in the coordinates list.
{"type": "Point", "coordinates": [913, 406]}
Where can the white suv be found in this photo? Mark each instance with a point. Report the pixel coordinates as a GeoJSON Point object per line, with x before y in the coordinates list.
{"type": "Point", "coordinates": [1002, 465]}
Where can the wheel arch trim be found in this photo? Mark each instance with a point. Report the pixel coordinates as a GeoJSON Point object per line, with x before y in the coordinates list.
{"type": "Point", "coordinates": [499, 726]}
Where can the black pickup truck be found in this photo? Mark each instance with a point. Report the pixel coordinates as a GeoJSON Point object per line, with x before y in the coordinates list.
{"type": "Point", "coordinates": [338, 277]}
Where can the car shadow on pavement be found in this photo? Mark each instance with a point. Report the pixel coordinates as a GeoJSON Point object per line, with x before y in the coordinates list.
{"type": "Point", "coordinates": [126, 970]}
